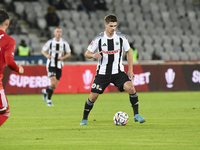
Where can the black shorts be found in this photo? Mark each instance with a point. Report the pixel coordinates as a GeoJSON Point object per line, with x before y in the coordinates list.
{"type": "Point", "coordinates": [53, 71]}
{"type": "Point", "coordinates": [102, 81]}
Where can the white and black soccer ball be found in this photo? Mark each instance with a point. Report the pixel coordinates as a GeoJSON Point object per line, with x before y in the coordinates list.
{"type": "Point", "coordinates": [120, 118]}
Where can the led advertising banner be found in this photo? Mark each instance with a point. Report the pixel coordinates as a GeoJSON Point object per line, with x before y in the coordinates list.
{"type": "Point", "coordinates": [79, 78]}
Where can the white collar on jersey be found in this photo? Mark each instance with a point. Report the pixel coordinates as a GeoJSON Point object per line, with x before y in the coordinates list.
{"type": "Point", "coordinates": [57, 41]}
{"type": "Point", "coordinates": [109, 37]}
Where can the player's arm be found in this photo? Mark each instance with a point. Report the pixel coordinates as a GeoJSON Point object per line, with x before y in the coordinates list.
{"type": "Point", "coordinates": [65, 56]}
{"type": "Point", "coordinates": [13, 66]}
{"type": "Point", "coordinates": [9, 58]}
{"type": "Point", "coordinates": [89, 54]}
{"type": "Point", "coordinates": [130, 63]}
{"type": "Point", "coordinates": [68, 53]}
{"type": "Point", "coordinates": [45, 54]}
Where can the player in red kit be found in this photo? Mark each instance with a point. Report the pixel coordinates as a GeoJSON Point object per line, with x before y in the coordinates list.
{"type": "Point", "coordinates": [7, 48]}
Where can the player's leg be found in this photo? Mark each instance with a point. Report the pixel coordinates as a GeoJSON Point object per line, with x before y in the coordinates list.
{"type": "Point", "coordinates": [129, 88]}
{"type": "Point", "coordinates": [51, 72]}
{"type": "Point", "coordinates": [50, 89]}
{"type": "Point", "coordinates": [123, 83]}
{"type": "Point", "coordinates": [4, 107]}
{"type": "Point", "coordinates": [98, 87]}
{"type": "Point", "coordinates": [88, 107]}
{"type": "Point", "coordinates": [54, 74]}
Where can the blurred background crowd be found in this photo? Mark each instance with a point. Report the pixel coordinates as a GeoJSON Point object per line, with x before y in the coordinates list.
{"type": "Point", "coordinates": [157, 29]}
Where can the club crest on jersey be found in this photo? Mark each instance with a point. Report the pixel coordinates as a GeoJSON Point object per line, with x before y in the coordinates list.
{"type": "Point", "coordinates": [117, 43]}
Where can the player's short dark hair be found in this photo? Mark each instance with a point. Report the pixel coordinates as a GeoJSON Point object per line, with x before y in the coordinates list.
{"type": "Point", "coordinates": [110, 18]}
{"type": "Point", "coordinates": [3, 16]}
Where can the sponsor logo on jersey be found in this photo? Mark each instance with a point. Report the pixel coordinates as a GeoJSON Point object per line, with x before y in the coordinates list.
{"type": "Point", "coordinates": [98, 87]}
{"type": "Point", "coordinates": [54, 51]}
{"type": "Point", "coordinates": [111, 52]}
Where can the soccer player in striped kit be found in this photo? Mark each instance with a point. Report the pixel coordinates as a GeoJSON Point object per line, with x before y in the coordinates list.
{"type": "Point", "coordinates": [110, 46]}
{"type": "Point", "coordinates": [7, 48]}
{"type": "Point", "coordinates": [58, 50]}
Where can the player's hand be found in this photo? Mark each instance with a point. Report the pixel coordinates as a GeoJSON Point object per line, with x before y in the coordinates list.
{"type": "Point", "coordinates": [21, 69]}
{"type": "Point", "coordinates": [97, 55]}
{"type": "Point", "coordinates": [60, 58]}
{"type": "Point", "coordinates": [48, 56]}
{"type": "Point", "coordinates": [131, 75]}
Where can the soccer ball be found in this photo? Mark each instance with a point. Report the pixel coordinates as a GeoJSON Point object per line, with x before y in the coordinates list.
{"type": "Point", "coordinates": [120, 118]}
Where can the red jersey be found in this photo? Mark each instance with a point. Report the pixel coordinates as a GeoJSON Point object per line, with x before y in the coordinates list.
{"type": "Point", "coordinates": [7, 48]}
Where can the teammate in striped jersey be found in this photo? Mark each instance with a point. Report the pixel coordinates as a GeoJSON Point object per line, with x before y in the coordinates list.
{"type": "Point", "coordinates": [58, 50]}
{"type": "Point", "coordinates": [7, 48]}
{"type": "Point", "coordinates": [110, 46]}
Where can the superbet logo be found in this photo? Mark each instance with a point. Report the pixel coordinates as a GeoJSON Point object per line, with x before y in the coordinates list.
{"type": "Point", "coordinates": [141, 79]}
{"type": "Point", "coordinates": [111, 52]}
{"type": "Point", "coordinates": [196, 76]}
{"type": "Point", "coordinates": [30, 81]}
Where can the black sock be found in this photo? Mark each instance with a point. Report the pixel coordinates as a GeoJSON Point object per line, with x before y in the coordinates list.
{"type": "Point", "coordinates": [87, 109]}
{"type": "Point", "coordinates": [134, 102]}
{"type": "Point", "coordinates": [49, 91]}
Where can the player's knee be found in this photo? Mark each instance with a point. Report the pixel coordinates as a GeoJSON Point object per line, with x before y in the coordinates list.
{"type": "Point", "coordinates": [53, 86]}
{"type": "Point", "coordinates": [93, 97]}
{"type": "Point", "coordinates": [130, 89]}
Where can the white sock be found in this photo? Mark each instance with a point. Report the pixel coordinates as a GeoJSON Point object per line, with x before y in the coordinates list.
{"type": "Point", "coordinates": [48, 101]}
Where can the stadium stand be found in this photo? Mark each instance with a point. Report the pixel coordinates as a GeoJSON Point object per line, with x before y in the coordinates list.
{"type": "Point", "coordinates": [168, 29]}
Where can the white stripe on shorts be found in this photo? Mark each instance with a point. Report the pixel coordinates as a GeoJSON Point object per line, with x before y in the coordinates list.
{"type": "Point", "coordinates": [3, 98]}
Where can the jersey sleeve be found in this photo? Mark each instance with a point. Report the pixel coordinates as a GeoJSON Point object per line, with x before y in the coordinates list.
{"type": "Point", "coordinates": [11, 64]}
{"type": "Point", "coordinates": [9, 56]}
{"type": "Point", "coordinates": [126, 45]}
{"type": "Point", "coordinates": [46, 46]}
{"type": "Point", "coordinates": [67, 48]}
{"type": "Point", "coordinates": [93, 46]}
{"type": "Point", "coordinates": [10, 48]}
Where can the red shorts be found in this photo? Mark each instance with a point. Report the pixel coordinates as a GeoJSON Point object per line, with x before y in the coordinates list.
{"type": "Point", "coordinates": [3, 104]}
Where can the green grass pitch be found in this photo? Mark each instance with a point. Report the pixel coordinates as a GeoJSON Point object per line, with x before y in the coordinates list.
{"type": "Point", "coordinates": [172, 123]}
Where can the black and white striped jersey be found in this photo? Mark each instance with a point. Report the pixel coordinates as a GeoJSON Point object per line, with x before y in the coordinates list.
{"type": "Point", "coordinates": [56, 49]}
{"type": "Point", "coordinates": [112, 52]}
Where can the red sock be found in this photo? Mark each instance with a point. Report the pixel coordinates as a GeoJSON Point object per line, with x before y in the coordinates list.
{"type": "Point", "coordinates": [3, 119]}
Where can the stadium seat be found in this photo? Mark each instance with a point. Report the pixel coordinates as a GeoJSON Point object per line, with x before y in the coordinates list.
{"type": "Point", "coordinates": [165, 56]}
{"type": "Point", "coordinates": [183, 56]}
{"type": "Point", "coordinates": [41, 22]}
{"type": "Point", "coordinates": [192, 55]}
{"type": "Point", "coordinates": [174, 56]}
